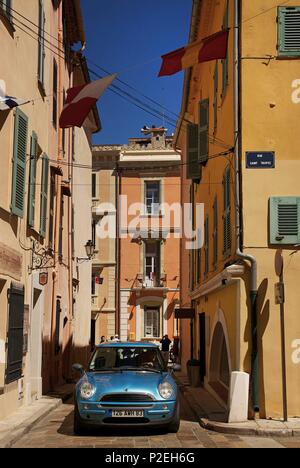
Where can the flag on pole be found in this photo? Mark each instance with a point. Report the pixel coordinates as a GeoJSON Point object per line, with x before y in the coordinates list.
{"type": "Point", "coordinates": [211, 48]}
{"type": "Point", "coordinates": [9, 102]}
{"type": "Point", "coordinates": [81, 99]}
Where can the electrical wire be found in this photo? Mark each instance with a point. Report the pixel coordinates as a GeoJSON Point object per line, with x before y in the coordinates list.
{"type": "Point", "coordinates": [117, 90]}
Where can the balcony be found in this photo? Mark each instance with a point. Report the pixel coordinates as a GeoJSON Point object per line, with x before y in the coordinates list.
{"type": "Point", "coordinates": [143, 282]}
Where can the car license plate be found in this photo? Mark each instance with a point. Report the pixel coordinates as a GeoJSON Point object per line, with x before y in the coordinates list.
{"type": "Point", "coordinates": [127, 414]}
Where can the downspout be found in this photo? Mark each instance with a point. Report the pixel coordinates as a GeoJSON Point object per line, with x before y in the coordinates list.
{"type": "Point", "coordinates": [254, 380]}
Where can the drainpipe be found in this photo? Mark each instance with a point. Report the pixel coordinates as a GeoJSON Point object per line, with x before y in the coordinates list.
{"type": "Point", "coordinates": [253, 284]}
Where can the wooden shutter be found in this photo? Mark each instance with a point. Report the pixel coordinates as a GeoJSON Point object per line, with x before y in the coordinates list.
{"type": "Point", "coordinates": [19, 163]}
{"type": "Point", "coordinates": [216, 86]}
{"type": "Point", "coordinates": [44, 195]}
{"type": "Point", "coordinates": [206, 248]}
{"type": "Point", "coordinates": [284, 214]}
{"type": "Point", "coordinates": [289, 31]}
{"type": "Point", "coordinates": [193, 169]}
{"type": "Point", "coordinates": [227, 213]}
{"type": "Point", "coordinates": [203, 142]}
{"type": "Point", "coordinates": [15, 334]}
{"type": "Point", "coordinates": [215, 233]}
{"type": "Point", "coordinates": [225, 62]}
{"type": "Point", "coordinates": [32, 179]}
{"type": "Point", "coordinates": [41, 43]}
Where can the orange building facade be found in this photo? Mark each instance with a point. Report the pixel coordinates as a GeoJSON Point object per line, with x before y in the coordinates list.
{"type": "Point", "coordinates": [149, 231]}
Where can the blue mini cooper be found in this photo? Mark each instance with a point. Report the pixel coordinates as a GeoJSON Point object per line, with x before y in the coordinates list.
{"type": "Point", "coordinates": [126, 384]}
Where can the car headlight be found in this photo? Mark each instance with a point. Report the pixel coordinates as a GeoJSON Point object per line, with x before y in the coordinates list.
{"type": "Point", "coordinates": [165, 390]}
{"type": "Point", "coordinates": [87, 390]}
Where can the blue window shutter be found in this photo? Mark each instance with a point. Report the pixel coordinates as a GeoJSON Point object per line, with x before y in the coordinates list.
{"type": "Point", "coordinates": [19, 163]}
{"type": "Point", "coordinates": [284, 215]}
{"type": "Point", "coordinates": [289, 31]}
{"type": "Point", "coordinates": [44, 195]}
{"type": "Point", "coordinates": [41, 43]}
{"type": "Point", "coordinates": [193, 168]}
{"type": "Point", "coordinates": [32, 179]}
{"type": "Point", "coordinates": [203, 148]}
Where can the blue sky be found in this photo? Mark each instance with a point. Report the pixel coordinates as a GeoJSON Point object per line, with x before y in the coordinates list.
{"type": "Point", "coordinates": [128, 37]}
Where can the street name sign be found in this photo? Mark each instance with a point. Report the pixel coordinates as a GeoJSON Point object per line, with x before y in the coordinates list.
{"type": "Point", "coordinates": [260, 160]}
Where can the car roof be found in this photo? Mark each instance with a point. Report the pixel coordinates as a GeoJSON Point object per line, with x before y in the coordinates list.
{"type": "Point", "coordinates": [127, 344]}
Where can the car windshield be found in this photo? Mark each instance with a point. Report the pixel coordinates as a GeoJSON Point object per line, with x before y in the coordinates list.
{"type": "Point", "coordinates": [127, 358]}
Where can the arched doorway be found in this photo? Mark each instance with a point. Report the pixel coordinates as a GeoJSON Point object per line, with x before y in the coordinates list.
{"type": "Point", "coordinates": [219, 366]}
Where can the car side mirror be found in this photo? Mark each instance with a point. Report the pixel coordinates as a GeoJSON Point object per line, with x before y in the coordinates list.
{"type": "Point", "coordinates": [176, 368]}
{"type": "Point", "coordinates": [78, 368]}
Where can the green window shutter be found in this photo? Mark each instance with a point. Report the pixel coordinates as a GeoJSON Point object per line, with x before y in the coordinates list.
{"type": "Point", "coordinates": [225, 62]}
{"type": "Point", "coordinates": [6, 7]}
{"type": "Point", "coordinates": [216, 86]}
{"type": "Point", "coordinates": [203, 131]}
{"type": "Point", "coordinates": [32, 179]}
{"type": "Point", "coordinates": [44, 195]}
{"type": "Point", "coordinates": [41, 43]}
{"type": "Point", "coordinates": [226, 213]}
{"type": "Point", "coordinates": [198, 266]}
{"type": "Point", "coordinates": [206, 246]}
{"type": "Point", "coordinates": [289, 31]}
{"type": "Point", "coordinates": [193, 168]}
{"type": "Point", "coordinates": [284, 215]}
{"type": "Point", "coordinates": [19, 163]}
{"type": "Point", "coordinates": [215, 233]}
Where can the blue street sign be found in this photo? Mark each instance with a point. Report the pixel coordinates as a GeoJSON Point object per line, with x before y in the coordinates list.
{"type": "Point", "coordinates": [260, 160]}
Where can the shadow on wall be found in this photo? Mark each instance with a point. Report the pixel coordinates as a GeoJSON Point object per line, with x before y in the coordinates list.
{"type": "Point", "coordinates": [263, 317]}
{"type": "Point", "coordinates": [57, 364]}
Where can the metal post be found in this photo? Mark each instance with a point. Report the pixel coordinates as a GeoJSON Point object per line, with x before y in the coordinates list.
{"type": "Point", "coordinates": [283, 359]}
{"type": "Point", "coordinates": [254, 354]}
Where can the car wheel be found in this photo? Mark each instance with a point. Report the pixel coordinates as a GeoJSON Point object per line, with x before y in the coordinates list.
{"type": "Point", "coordinates": [79, 427]}
{"type": "Point", "coordinates": [174, 426]}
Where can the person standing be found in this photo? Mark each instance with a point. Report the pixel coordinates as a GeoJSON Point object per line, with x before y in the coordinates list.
{"type": "Point", "coordinates": [165, 348]}
{"type": "Point", "coordinates": [103, 339]}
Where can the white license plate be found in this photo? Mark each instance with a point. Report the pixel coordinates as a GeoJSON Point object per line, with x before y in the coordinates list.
{"type": "Point", "coordinates": [127, 413]}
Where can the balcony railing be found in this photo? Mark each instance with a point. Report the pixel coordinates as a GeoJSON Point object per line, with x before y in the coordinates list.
{"type": "Point", "coordinates": [144, 282]}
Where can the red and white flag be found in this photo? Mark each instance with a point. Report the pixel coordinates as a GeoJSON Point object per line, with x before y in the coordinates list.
{"type": "Point", "coordinates": [81, 99]}
{"type": "Point", "coordinates": [213, 47]}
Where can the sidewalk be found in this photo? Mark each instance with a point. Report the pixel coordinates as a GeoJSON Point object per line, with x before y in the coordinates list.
{"type": "Point", "coordinates": [21, 421]}
{"type": "Point", "coordinates": [212, 416]}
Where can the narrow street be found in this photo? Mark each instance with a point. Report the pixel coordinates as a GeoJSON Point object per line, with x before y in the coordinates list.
{"type": "Point", "coordinates": [56, 431]}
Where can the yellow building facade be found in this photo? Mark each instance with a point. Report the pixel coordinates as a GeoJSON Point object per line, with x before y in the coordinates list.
{"type": "Point", "coordinates": [242, 116]}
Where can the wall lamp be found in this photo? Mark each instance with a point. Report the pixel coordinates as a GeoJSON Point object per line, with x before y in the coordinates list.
{"type": "Point", "coordinates": [90, 250]}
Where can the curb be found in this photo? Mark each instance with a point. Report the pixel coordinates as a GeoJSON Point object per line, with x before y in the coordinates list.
{"type": "Point", "coordinates": [225, 428]}
{"type": "Point", "coordinates": [15, 434]}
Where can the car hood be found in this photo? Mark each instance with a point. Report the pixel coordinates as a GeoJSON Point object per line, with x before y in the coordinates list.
{"type": "Point", "coordinates": [129, 382]}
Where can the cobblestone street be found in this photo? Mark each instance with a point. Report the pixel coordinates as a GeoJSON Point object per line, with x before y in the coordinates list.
{"type": "Point", "coordinates": [56, 431]}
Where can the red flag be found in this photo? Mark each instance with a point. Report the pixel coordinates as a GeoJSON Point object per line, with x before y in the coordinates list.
{"type": "Point", "coordinates": [211, 48]}
{"type": "Point", "coordinates": [80, 101]}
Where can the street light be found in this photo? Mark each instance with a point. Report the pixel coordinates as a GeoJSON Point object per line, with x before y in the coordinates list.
{"type": "Point", "coordinates": [90, 250]}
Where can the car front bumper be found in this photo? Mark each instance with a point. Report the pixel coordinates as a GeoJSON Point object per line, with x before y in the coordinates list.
{"type": "Point", "coordinates": [158, 413]}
